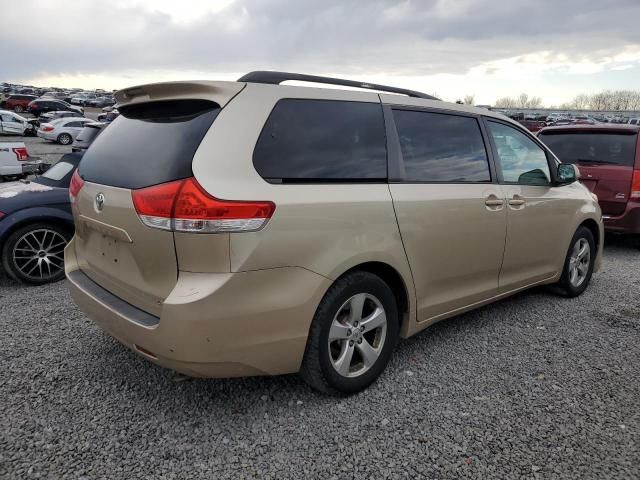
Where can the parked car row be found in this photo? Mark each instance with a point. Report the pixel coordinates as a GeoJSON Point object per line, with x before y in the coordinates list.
{"type": "Point", "coordinates": [535, 122]}
{"type": "Point", "coordinates": [38, 101]}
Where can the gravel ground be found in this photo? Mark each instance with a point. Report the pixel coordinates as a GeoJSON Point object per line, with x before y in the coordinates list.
{"type": "Point", "coordinates": [532, 387]}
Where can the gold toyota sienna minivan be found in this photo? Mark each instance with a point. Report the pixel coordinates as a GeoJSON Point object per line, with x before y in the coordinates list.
{"type": "Point", "coordinates": [251, 228]}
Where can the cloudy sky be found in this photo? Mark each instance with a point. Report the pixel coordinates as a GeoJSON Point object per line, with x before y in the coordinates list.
{"type": "Point", "coordinates": [550, 48]}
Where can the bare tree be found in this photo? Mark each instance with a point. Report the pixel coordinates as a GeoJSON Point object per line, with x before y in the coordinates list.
{"type": "Point", "coordinates": [469, 99]}
{"type": "Point", "coordinates": [606, 100]}
{"type": "Point", "coordinates": [506, 102]}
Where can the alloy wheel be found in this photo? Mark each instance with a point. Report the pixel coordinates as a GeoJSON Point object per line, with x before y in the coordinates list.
{"type": "Point", "coordinates": [579, 262]}
{"type": "Point", "coordinates": [39, 254]}
{"type": "Point", "coordinates": [357, 335]}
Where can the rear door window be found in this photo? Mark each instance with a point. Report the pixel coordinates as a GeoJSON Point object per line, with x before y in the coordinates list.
{"type": "Point", "coordinates": [149, 143]}
{"type": "Point", "coordinates": [322, 141]}
{"type": "Point", "coordinates": [613, 148]}
{"type": "Point", "coordinates": [443, 148]}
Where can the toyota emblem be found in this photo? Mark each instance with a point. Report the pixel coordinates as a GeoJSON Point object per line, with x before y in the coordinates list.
{"type": "Point", "coordinates": [99, 202]}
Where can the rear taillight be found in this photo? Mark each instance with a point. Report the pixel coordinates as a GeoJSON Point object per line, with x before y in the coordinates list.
{"type": "Point", "coordinates": [47, 128]}
{"type": "Point", "coordinates": [75, 186]}
{"type": "Point", "coordinates": [21, 153]}
{"type": "Point", "coordinates": [184, 206]}
{"type": "Point", "coordinates": [635, 184]}
{"type": "Point", "coordinates": [2, 214]}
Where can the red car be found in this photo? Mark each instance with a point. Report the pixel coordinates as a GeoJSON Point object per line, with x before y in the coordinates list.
{"type": "Point", "coordinates": [533, 125]}
{"type": "Point", "coordinates": [18, 102]}
{"type": "Point", "coordinates": [609, 160]}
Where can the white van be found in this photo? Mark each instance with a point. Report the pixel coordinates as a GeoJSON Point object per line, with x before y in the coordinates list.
{"type": "Point", "coordinates": [15, 161]}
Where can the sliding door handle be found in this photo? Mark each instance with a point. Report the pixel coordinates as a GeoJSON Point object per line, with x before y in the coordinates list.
{"type": "Point", "coordinates": [516, 201]}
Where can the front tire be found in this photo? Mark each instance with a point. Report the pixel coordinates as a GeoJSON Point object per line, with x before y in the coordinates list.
{"type": "Point", "coordinates": [578, 264]}
{"type": "Point", "coordinates": [35, 253]}
{"type": "Point", "coordinates": [352, 335]}
{"type": "Point", "coordinates": [65, 139]}
{"type": "Point", "coordinates": [18, 109]}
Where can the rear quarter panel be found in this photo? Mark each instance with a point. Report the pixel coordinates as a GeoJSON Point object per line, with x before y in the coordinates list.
{"type": "Point", "coordinates": [325, 228]}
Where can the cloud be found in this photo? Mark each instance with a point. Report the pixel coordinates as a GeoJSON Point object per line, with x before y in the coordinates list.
{"type": "Point", "coordinates": [377, 37]}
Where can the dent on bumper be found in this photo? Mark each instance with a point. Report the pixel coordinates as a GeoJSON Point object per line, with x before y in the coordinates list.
{"type": "Point", "coordinates": [220, 325]}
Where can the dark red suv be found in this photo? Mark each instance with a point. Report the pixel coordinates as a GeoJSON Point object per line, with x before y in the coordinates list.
{"type": "Point", "coordinates": [608, 157]}
{"type": "Point", "coordinates": [18, 102]}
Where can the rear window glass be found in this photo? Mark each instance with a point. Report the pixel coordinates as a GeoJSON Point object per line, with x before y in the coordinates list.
{"type": "Point", "coordinates": [441, 147]}
{"type": "Point", "coordinates": [88, 134]}
{"type": "Point", "coordinates": [149, 143]}
{"type": "Point", "coordinates": [607, 148]}
{"type": "Point", "coordinates": [58, 171]}
{"type": "Point", "coordinates": [322, 141]}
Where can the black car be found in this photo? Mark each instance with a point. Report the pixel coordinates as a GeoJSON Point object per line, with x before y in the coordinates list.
{"type": "Point", "coordinates": [36, 223]}
{"type": "Point", "coordinates": [44, 105]}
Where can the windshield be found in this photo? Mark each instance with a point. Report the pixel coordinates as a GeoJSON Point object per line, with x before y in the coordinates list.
{"type": "Point", "coordinates": [608, 148]}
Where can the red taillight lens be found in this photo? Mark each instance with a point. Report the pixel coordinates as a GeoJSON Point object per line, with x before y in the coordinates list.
{"type": "Point", "coordinates": [75, 186]}
{"type": "Point", "coordinates": [635, 184]}
{"type": "Point", "coordinates": [21, 153]}
{"type": "Point", "coordinates": [47, 128]}
{"type": "Point", "coordinates": [2, 214]}
{"type": "Point", "coordinates": [184, 206]}
{"type": "Point", "coordinates": [155, 204]}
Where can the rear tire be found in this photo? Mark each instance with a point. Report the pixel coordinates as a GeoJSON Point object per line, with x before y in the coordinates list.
{"type": "Point", "coordinates": [18, 109]}
{"type": "Point", "coordinates": [65, 139]}
{"type": "Point", "coordinates": [34, 254]}
{"type": "Point", "coordinates": [360, 313]}
{"type": "Point", "coordinates": [578, 264]}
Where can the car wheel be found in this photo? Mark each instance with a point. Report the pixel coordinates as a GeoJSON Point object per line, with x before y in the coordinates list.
{"type": "Point", "coordinates": [578, 265]}
{"type": "Point", "coordinates": [35, 253]}
{"type": "Point", "coordinates": [18, 109]}
{"type": "Point", "coordinates": [65, 139]}
{"type": "Point", "coordinates": [352, 335]}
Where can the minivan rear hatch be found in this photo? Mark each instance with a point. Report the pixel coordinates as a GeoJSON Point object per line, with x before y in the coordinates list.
{"type": "Point", "coordinates": [152, 142]}
{"type": "Point", "coordinates": [605, 158]}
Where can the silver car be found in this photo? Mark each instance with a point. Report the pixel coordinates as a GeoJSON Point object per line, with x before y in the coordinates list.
{"type": "Point", "coordinates": [63, 130]}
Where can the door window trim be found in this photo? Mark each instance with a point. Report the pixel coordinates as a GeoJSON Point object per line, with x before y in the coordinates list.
{"type": "Point", "coordinates": [552, 162]}
{"type": "Point", "coordinates": [395, 160]}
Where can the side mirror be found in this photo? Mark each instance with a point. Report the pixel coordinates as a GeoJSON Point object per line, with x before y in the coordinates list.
{"type": "Point", "coordinates": [567, 173]}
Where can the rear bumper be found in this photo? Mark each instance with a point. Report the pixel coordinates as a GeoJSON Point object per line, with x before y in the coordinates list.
{"type": "Point", "coordinates": [46, 135]}
{"type": "Point", "coordinates": [213, 325]}
{"type": "Point", "coordinates": [628, 222]}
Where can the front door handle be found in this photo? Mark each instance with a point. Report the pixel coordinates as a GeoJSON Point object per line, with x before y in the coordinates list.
{"type": "Point", "coordinates": [516, 201]}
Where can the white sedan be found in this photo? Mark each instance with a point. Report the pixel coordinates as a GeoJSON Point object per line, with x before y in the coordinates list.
{"type": "Point", "coordinates": [63, 130]}
{"type": "Point", "coordinates": [13, 124]}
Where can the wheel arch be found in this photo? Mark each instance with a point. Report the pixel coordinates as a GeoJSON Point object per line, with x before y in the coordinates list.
{"type": "Point", "coordinates": [592, 225]}
{"type": "Point", "coordinates": [395, 281]}
{"type": "Point", "coordinates": [23, 221]}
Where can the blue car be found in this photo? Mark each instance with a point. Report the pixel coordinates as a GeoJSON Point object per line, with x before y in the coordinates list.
{"type": "Point", "coordinates": [36, 223]}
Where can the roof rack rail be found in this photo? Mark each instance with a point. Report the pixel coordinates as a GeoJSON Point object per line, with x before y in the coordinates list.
{"type": "Point", "coordinates": [276, 78]}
